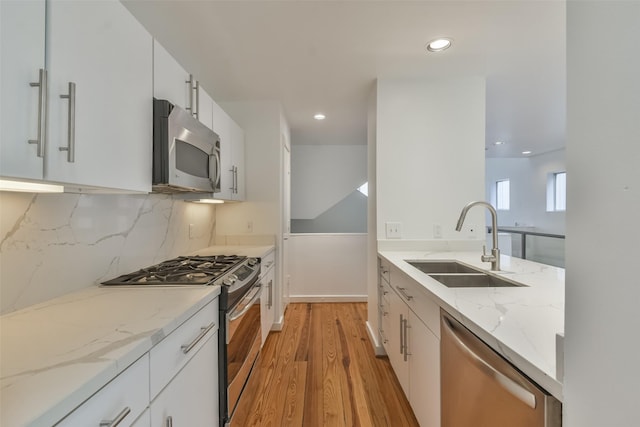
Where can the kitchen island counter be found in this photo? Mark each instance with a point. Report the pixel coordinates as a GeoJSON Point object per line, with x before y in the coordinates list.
{"type": "Point", "coordinates": [520, 323]}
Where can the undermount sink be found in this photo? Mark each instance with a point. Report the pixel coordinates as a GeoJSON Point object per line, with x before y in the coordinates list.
{"type": "Point", "coordinates": [477, 280]}
{"type": "Point", "coordinates": [445, 267]}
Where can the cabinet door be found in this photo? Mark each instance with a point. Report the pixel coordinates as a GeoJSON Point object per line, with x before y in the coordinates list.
{"type": "Point", "coordinates": [170, 80]}
{"type": "Point", "coordinates": [22, 35]}
{"type": "Point", "coordinates": [398, 315]}
{"type": "Point", "coordinates": [101, 48]}
{"type": "Point", "coordinates": [222, 126]}
{"type": "Point", "coordinates": [267, 303]}
{"type": "Point", "coordinates": [237, 158]}
{"type": "Point", "coordinates": [191, 398]}
{"type": "Point", "coordinates": [424, 365]}
{"type": "Point", "coordinates": [205, 108]}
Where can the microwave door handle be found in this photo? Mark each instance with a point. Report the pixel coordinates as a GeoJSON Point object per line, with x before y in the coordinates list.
{"type": "Point", "coordinates": [215, 182]}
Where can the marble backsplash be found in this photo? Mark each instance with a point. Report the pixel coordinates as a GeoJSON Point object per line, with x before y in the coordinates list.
{"type": "Point", "coordinates": [52, 244]}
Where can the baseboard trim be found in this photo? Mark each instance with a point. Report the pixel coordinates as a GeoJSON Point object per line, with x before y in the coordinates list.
{"type": "Point", "coordinates": [373, 336]}
{"type": "Point", "coordinates": [328, 298]}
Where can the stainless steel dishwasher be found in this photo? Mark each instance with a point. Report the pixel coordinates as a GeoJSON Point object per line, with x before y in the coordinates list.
{"type": "Point", "coordinates": [481, 389]}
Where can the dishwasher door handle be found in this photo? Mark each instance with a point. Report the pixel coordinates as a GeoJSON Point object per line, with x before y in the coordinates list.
{"type": "Point", "coordinates": [507, 383]}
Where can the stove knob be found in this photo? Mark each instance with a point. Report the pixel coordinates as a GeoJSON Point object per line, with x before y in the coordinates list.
{"type": "Point", "coordinates": [233, 277]}
{"type": "Point", "coordinates": [252, 261]}
{"type": "Point", "coordinates": [229, 281]}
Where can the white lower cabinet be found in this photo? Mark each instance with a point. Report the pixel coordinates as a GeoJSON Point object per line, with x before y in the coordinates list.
{"type": "Point", "coordinates": [412, 341]}
{"type": "Point", "coordinates": [423, 350]}
{"type": "Point", "coordinates": [174, 384]}
{"type": "Point", "coordinates": [191, 397]}
{"type": "Point", "coordinates": [267, 310]}
{"type": "Point", "coordinates": [120, 402]}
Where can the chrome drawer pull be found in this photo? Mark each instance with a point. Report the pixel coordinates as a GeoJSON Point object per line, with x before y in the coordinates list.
{"type": "Point", "coordinates": [186, 348]}
{"type": "Point", "coordinates": [169, 421]}
{"type": "Point", "coordinates": [404, 293]}
{"type": "Point", "coordinates": [117, 420]}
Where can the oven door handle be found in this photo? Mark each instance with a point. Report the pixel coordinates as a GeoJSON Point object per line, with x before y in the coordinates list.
{"type": "Point", "coordinates": [236, 315]}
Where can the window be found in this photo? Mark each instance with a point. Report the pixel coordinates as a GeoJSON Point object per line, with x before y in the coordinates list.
{"type": "Point", "coordinates": [502, 195]}
{"type": "Point", "coordinates": [364, 189]}
{"type": "Point", "coordinates": [557, 192]}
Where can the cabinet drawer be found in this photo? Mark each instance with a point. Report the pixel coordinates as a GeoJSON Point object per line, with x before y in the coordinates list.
{"type": "Point", "coordinates": [418, 300]}
{"type": "Point", "coordinates": [127, 396]}
{"type": "Point", "coordinates": [267, 262]}
{"type": "Point", "coordinates": [384, 268]}
{"type": "Point", "coordinates": [173, 352]}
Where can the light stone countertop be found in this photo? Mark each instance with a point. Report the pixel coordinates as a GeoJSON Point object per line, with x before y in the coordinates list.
{"type": "Point", "coordinates": [56, 354]}
{"type": "Point", "coordinates": [520, 323]}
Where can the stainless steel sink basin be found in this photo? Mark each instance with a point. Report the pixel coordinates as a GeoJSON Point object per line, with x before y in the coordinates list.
{"type": "Point", "coordinates": [448, 267]}
{"type": "Point", "coordinates": [474, 281]}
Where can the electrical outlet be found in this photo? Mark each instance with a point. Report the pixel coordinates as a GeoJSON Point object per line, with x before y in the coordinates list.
{"type": "Point", "coordinates": [437, 231]}
{"type": "Point", "coordinates": [393, 230]}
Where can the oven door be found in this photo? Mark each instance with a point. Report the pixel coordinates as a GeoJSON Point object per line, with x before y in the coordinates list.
{"type": "Point", "coordinates": [243, 339]}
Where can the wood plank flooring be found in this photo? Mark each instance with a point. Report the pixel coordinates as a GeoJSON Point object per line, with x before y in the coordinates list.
{"type": "Point", "coordinates": [320, 370]}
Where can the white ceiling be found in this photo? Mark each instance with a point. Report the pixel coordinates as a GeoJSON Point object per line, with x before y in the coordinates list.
{"type": "Point", "coordinates": [325, 56]}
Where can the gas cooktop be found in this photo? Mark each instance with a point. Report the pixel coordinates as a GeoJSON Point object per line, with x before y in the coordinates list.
{"type": "Point", "coordinates": [184, 270]}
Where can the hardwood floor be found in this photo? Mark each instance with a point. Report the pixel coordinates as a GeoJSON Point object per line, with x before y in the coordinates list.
{"type": "Point", "coordinates": [321, 371]}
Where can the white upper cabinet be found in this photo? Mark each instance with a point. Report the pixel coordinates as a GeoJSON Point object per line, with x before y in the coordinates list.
{"type": "Point", "coordinates": [205, 107]}
{"type": "Point", "coordinates": [232, 178]}
{"type": "Point", "coordinates": [173, 83]}
{"type": "Point", "coordinates": [222, 126]}
{"type": "Point", "coordinates": [22, 36]}
{"type": "Point", "coordinates": [100, 87]}
{"type": "Point", "coordinates": [237, 160]}
{"type": "Point", "coordinates": [170, 80]}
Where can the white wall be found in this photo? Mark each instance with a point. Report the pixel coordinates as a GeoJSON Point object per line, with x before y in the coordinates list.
{"type": "Point", "coordinates": [430, 155]}
{"type": "Point", "coordinates": [328, 267]}
{"type": "Point", "coordinates": [323, 175]}
{"type": "Point", "coordinates": [53, 244]}
{"type": "Point", "coordinates": [528, 181]}
{"type": "Point", "coordinates": [602, 321]}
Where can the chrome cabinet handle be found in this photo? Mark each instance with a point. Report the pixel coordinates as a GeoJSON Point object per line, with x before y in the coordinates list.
{"type": "Point", "coordinates": [401, 334]}
{"type": "Point", "coordinates": [270, 300]}
{"type": "Point", "coordinates": [404, 293]}
{"type": "Point", "coordinates": [117, 420]}
{"type": "Point", "coordinates": [406, 339]}
{"type": "Point", "coordinates": [71, 123]}
{"type": "Point", "coordinates": [169, 422]}
{"type": "Point", "coordinates": [235, 179]}
{"type": "Point", "coordinates": [197, 105]}
{"type": "Point", "coordinates": [186, 348]}
{"type": "Point", "coordinates": [459, 338]}
{"type": "Point", "coordinates": [43, 111]}
{"type": "Point", "coordinates": [190, 83]}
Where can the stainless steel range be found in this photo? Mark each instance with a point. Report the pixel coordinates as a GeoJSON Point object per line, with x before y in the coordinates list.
{"type": "Point", "coordinates": [239, 337]}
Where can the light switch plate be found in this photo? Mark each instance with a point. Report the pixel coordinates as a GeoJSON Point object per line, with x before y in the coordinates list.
{"type": "Point", "coordinates": [393, 230]}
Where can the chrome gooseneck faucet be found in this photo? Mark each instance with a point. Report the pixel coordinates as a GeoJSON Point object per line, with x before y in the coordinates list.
{"type": "Point", "coordinates": [494, 258]}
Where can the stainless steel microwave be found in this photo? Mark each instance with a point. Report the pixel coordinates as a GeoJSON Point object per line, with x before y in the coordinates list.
{"type": "Point", "coordinates": [186, 153]}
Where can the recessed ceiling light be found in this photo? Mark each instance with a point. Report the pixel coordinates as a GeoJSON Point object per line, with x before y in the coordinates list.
{"type": "Point", "coordinates": [526, 152]}
{"type": "Point", "coordinates": [438, 45]}
{"type": "Point", "coordinates": [319, 116]}
{"type": "Point", "coordinates": [498, 143]}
